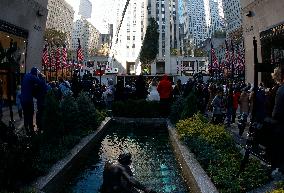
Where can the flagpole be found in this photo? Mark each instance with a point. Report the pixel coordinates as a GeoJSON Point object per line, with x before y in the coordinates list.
{"type": "Point", "coordinates": [50, 63]}
{"type": "Point", "coordinates": [44, 64]}
{"type": "Point", "coordinates": [62, 64]}
{"type": "Point", "coordinates": [232, 65]}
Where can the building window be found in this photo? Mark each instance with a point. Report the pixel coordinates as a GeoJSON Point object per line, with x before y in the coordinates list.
{"type": "Point", "coordinates": [133, 45]}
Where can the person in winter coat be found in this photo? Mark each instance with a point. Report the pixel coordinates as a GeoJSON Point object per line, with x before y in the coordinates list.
{"type": "Point", "coordinates": [140, 86]}
{"type": "Point", "coordinates": [277, 145]}
{"type": "Point", "coordinates": [153, 92]}
{"type": "Point", "coordinates": [64, 87]}
{"type": "Point", "coordinates": [18, 101]}
{"type": "Point", "coordinates": [244, 103]}
{"type": "Point", "coordinates": [217, 106]}
{"type": "Point", "coordinates": [109, 94]}
{"type": "Point", "coordinates": [236, 96]}
{"type": "Point", "coordinates": [178, 90]}
{"type": "Point", "coordinates": [29, 89]}
{"type": "Point", "coordinates": [40, 96]}
{"type": "Point", "coordinates": [165, 90]}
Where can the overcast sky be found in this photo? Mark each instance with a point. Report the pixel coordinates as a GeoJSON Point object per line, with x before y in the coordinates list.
{"type": "Point", "coordinates": [101, 10]}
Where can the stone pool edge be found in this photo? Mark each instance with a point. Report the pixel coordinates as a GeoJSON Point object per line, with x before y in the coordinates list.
{"type": "Point", "coordinates": [60, 168]}
{"type": "Point", "coordinates": [195, 177]}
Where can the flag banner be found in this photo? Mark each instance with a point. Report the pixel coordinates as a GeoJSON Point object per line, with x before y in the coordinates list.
{"type": "Point", "coordinates": [64, 56]}
{"type": "Point", "coordinates": [80, 56]}
{"type": "Point", "coordinates": [52, 55]}
{"type": "Point", "coordinates": [227, 56]}
{"type": "Point", "coordinates": [58, 54]}
{"type": "Point", "coordinates": [45, 57]}
{"type": "Point", "coordinates": [214, 61]}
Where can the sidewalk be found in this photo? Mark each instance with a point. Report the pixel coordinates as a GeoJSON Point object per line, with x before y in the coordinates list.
{"type": "Point", "coordinates": [19, 123]}
{"type": "Point", "coordinates": [241, 141]}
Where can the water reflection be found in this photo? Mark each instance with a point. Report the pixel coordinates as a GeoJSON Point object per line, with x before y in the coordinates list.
{"type": "Point", "coordinates": [153, 161]}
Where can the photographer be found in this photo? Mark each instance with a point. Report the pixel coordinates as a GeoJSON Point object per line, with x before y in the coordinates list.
{"type": "Point", "coordinates": [277, 145]}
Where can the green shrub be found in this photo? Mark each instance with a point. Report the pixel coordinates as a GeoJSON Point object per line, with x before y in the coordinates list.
{"type": "Point", "coordinates": [52, 115]}
{"type": "Point", "coordinates": [86, 112]}
{"type": "Point", "coordinates": [136, 108]}
{"type": "Point", "coordinates": [176, 110]}
{"type": "Point", "coordinates": [184, 108]}
{"type": "Point", "coordinates": [280, 187]}
{"type": "Point", "coordinates": [190, 105]}
{"type": "Point", "coordinates": [20, 165]}
{"type": "Point", "coordinates": [215, 150]}
{"type": "Point", "coordinates": [69, 111]}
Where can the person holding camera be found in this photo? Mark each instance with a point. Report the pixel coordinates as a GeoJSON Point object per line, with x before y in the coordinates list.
{"type": "Point", "coordinates": [277, 156]}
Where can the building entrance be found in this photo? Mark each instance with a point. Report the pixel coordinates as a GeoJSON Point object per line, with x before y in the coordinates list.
{"type": "Point", "coordinates": [13, 43]}
{"type": "Point", "coordinates": [272, 50]}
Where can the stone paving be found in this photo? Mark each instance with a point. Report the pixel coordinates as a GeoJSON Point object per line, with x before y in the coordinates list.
{"type": "Point", "coordinates": [241, 140]}
{"type": "Point", "coordinates": [19, 123]}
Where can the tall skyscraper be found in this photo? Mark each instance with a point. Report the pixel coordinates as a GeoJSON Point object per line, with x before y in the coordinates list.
{"type": "Point", "coordinates": [204, 17]}
{"type": "Point", "coordinates": [60, 17]}
{"type": "Point", "coordinates": [85, 9]}
{"type": "Point", "coordinates": [128, 33]}
{"type": "Point", "coordinates": [166, 14]}
{"type": "Point", "coordinates": [128, 40]}
{"type": "Point", "coordinates": [232, 13]}
{"type": "Point", "coordinates": [88, 35]}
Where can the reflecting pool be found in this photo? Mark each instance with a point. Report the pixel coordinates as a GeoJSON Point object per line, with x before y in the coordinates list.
{"type": "Point", "coordinates": [153, 163]}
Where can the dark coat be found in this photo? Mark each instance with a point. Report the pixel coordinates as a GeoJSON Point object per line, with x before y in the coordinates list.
{"type": "Point", "coordinates": [29, 87]}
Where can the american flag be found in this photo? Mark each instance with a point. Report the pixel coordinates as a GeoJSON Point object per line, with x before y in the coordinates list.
{"type": "Point", "coordinates": [45, 56]}
{"type": "Point", "coordinates": [227, 56]}
{"type": "Point", "coordinates": [80, 56]}
{"type": "Point", "coordinates": [241, 60]}
{"type": "Point", "coordinates": [64, 56]}
{"type": "Point", "coordinates": [233, 60]}
{"type": "Point", "coordinates": [222, 65]}
{"type": "Point", "coordinates": [52, 55]}
{"type": "Point", "coordinates": [214, 61]}
{"type": "Point", "coordinates": [58, 56]}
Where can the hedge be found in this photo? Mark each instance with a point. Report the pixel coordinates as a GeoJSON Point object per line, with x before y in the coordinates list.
{"type": "Point", "coordinates": [65, 123]}
{"type": "Point", "coordinates": [215, 150]}
{"type": "Point", "coordinates": [136, 108]}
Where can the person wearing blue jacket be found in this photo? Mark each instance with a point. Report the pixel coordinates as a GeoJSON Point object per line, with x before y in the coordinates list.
{"type": "Point", "coordinates": [30, 84]}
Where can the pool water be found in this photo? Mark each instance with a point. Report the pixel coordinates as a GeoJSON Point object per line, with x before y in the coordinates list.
{"type": "Point", "coordinates": [154, 164]}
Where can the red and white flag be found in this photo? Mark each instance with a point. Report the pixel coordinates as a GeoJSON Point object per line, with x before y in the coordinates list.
{"type": "Point", "coordinates": [214, 61]}
{"type": "Point", "coordinates": [45, 57]}
{"type": "Point", "coordinates": [58, 54]}
{"type": "Point", "coordinates": [64, 56]}
{"type": "Point", "coordinates": [80, 56]}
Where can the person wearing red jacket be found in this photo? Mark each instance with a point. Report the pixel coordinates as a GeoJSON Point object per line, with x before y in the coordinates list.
{"type": "Point", "coordinates": [236, 97]}
{"type": "Point", "coordinates": [165, 90]}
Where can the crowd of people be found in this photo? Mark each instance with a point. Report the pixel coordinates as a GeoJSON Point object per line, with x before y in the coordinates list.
{"type": "Point", "coordinates": [225, 102]}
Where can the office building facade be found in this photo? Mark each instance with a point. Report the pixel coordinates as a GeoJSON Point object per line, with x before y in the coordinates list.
{"type": "Point", "coordinates": [204, 18]}
{"type": "Point", "coordinates": [85, 9]}
{"type": "Point", "coordinates": [89, 37]}
{"type": "Point", "coordinates": [60, 17]}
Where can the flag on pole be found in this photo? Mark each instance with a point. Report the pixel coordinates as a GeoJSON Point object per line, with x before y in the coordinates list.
{"type": "Point", "coordinates": [64, 56]}
{"type": "Point", "coordinates": [214, 64]}
{"type": "Point", "coordinates": [58, 57]}
{"type": "Point", "coordinates": [80, 56]}
{"type": "Point", "coordinates": [227, 56]}
{"type": "Point", "coordinates": [45, 56]}
{"type": "Point", "coordinates": [52, 55]}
